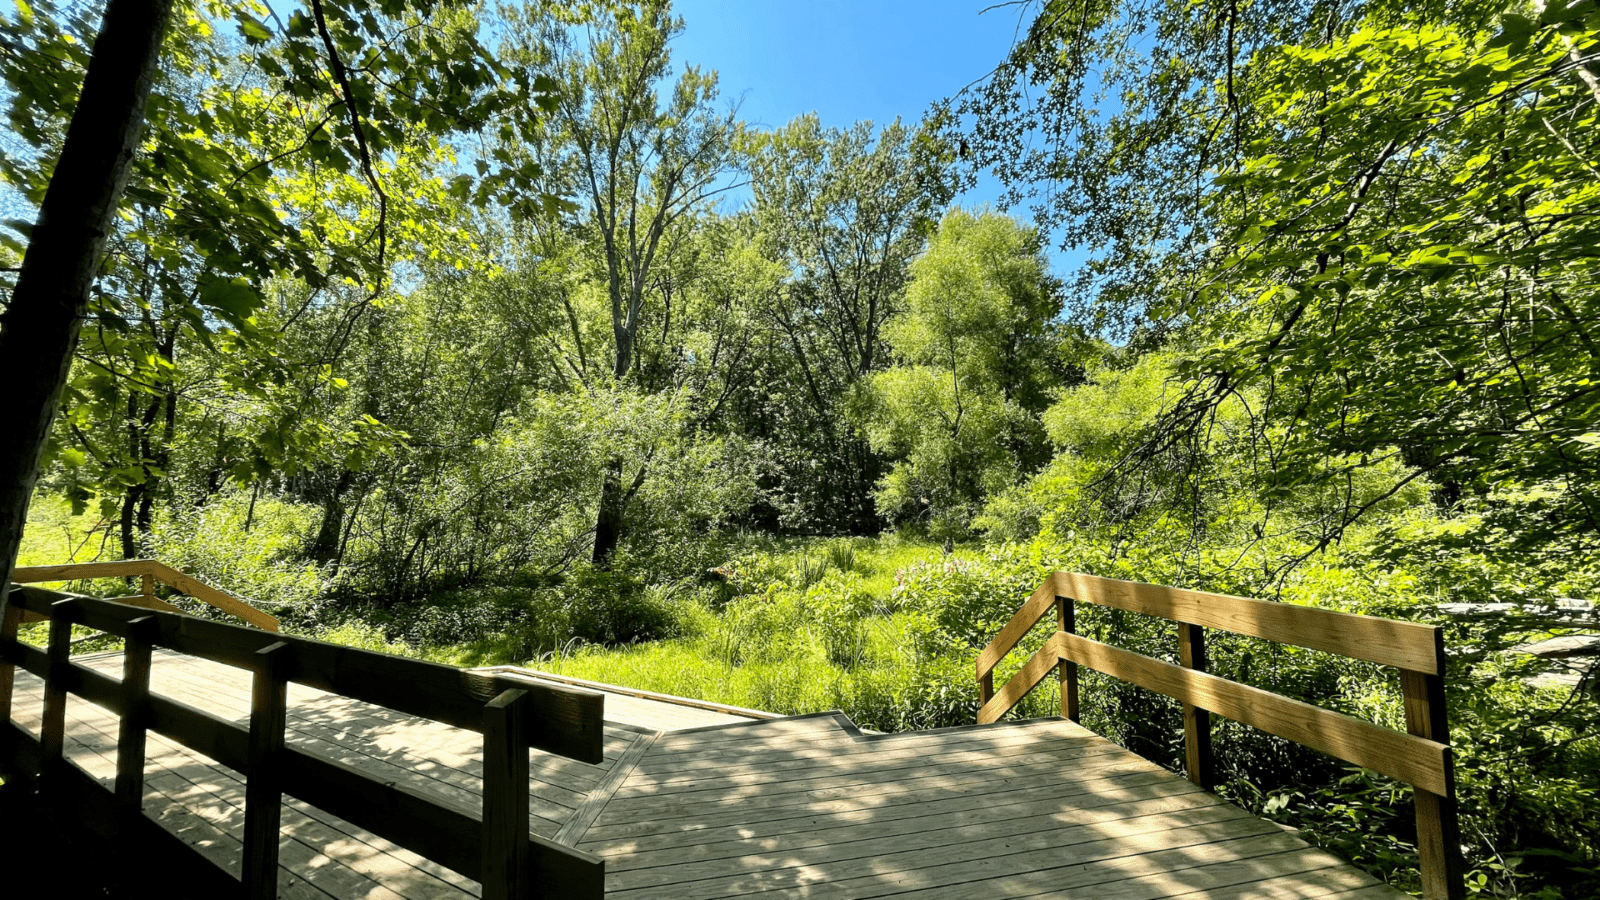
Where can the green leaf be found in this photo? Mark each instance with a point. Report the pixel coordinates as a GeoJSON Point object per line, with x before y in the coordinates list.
{"type": "Point", "coordinates": [253, 29]}
{"type": "Point", "coordinates": [235, 298]}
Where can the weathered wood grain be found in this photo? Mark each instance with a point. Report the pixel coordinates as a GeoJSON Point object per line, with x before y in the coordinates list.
{"type": "Point", "coordinates": [1198, 759]}
{"type": "Point", "coordinates": [1416, 760]}
{"type": "Point", "coordinates": [1404, 645]}
{"type": "Point", "coordinates": [1036, 607]}
{"type": "Point", "coordinates": [1022, 684]}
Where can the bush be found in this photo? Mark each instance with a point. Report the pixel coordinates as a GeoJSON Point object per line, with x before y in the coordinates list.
{"type": "Point", "coordinates": [261, 563]}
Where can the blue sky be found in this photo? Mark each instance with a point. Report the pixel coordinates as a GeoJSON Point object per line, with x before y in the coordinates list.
{"type": "Point", "coordinates": [866, 59]}
{"type": "Point", "coordinates": [849, 60]}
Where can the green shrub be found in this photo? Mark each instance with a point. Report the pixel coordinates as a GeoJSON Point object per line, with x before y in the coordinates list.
{"type": "Point", "coordinates": [261, 563]}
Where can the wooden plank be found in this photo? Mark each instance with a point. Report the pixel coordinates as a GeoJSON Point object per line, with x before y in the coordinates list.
{"type": "Point", "coordinates": [19, 752]}
{"type": "Point", "coordinates": [1438, 828]}
{"type": "Point", "coordinates": [505, 873]}
{"type": "Point", "coordinates": [1197, 756]}
{"type": "Point", "coordinates": [436, 822]}
{"type": "Point", "coordinates": [201, 732]}
{"type": "Point", "coordinates": [1405, 645]}
{"type": "Point", "coordinates": [1067, 671]}
{"type": "Point", "coordinates": [35, 599]}
{"type": "Point", "coordinates": [390, 810]}
{"type": "Point", "coordinates": [928, 781]}
{"type": "Point", "coordinates": [1043, 807]}
{"type": "Point", "coordinates": [8, 635]}
{"type": "Point", "coordinates": [28, 658]}
{"type": "Point", "coordinates": [263, 789]}
{"type": "Point", "coordinates": [821, 786]}
{"type": "Point", "coordinates": [134, 719]}
{"type": "Point", "coordinates": [1416, 760]}
{"type": "Point", "coordinates": [146, 602]}
{"type": "Point", "coordinates": [851, 869]}
{"type": "Point", "coordinates": [52, 728]}
{"type": "Point", "coordinates": [94, 686]}
{"type": "Point", "coordinates": [870, 757]}
{"type": "Point", "coordinates": [572, 832]}
{"type": "Point", "coordinates": [839, 849]}
{"type": "Point", "coordinates": [367, 859]}
{"type": "Point", "coordinates": [1034, 609]}
{"type": "Point", "coordinates": [86, 806]}
{"type": "Point", "coordinates": [563, 872]}
{"type": "Point", "coordinates": [565, 721]}
{"type": "Point", "coordinates": [1067, 788]}
{"type": "Point", "coordinates": [121, 568]}
{"type": "Point", "coordinates": [1022, 684]}
{"type": "Point", "coordinates": [867, 764]}
{"type": "Point", "coordinates": [1236, 870]}
{"type": "Point", "coordinates": [205, 593]}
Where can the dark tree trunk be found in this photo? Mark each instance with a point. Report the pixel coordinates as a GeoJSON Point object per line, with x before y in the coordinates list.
{"type": "Point", "coordinates": [127, 523]}
{"type": "Point", "coordinates": [39, 329]}
{"type": "Point", "coordinates": [329, 542]}
{"type": "Point", "coordinates": [608, 522]}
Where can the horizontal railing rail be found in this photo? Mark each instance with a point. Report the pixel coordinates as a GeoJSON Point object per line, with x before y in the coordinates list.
{"type": "Point", "coordinates": [149, 572]}
{"type": "Point", "coordinates": [1419, 756]}
{"type": "Point", "coordinates": [492, 845]}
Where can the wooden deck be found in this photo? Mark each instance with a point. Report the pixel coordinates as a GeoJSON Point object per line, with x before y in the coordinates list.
{"type": "Point", "coordinates": [694, 803]}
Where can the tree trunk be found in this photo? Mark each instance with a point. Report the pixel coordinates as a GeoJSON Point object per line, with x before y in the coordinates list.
{"type": "Point", "coordinates": [127, 524]}
{"type": "Point", "coordinates": [329, 541]}
{"type": "Point", "coordinates": [608, 521]}
{"type": "Point", "coordinates": [39, 329]}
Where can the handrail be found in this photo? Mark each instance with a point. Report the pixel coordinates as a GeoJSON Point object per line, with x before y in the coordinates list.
{"type": "Point", "coordinates": [493, 847]}
{"type": "Point", "coordinates": [1420, 755]}
{"type": "Point", "coordinates": [148, 571]}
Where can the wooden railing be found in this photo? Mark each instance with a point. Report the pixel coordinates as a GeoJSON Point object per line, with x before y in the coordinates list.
{"type": "Point", "coordinates": [1420, 755]}
{"type": "Point", "coordinates": [513, 714]}
{"type": "Point", "coordinates": [148, 571]}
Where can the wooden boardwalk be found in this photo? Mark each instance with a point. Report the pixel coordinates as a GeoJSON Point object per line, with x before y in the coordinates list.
{"type": "Point", "coordinates": [694, 803]}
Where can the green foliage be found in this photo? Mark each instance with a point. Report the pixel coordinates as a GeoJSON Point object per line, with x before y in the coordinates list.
{"type": "Point", "coordinates": [251, 548]}
{"type": "Point", "coordinates": [844, 211]}
{"type": "Point", "coordinates": [958, 412]}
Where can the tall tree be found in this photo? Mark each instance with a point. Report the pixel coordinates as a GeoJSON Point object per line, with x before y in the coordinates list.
{"type": "Point", "coordinates": [40, 325]}
{"type": "Point", "coordinates": [638, 160]}
{"type": "Point", "coordinates": [1374, 219]}
{"type": "Point", "coordinates": [959, 411]}
{"type": "Point", "coordinates": [225, 219]}
{"type": "Point", "coordinates": [845, 210]}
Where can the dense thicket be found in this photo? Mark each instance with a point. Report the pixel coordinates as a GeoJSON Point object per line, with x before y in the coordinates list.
{"type": "Point", "coordinates": [436, 328]}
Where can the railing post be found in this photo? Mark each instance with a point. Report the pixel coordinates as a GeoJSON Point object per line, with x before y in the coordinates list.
{"type": "Point", "coordinates": [135, 720]}
{"type": "Point", "coordinates": [1438, 831]}
{"type": "Point", "coordinates": [147, 585]}
{"type": "Point", "coordinates": [985, 688]}
{"type": "Point", "coordinates": [1197, 754]}
{"type": "Point", "coordinates": [1067, 672]}
{"type": "Point", "coordinates": [263, 790]}
{"type": "Point", "coordinates": [507, 873]}
{"type": "Point", "coordinates": [8, 632]}
{"type": "Point", "coordinates": [53, 728]}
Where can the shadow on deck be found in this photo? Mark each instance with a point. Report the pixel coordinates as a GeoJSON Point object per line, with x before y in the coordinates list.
{"type": "Point", "coordinates": [787, 807]}
{"type": "Point", "coordinates": [379, 777]}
